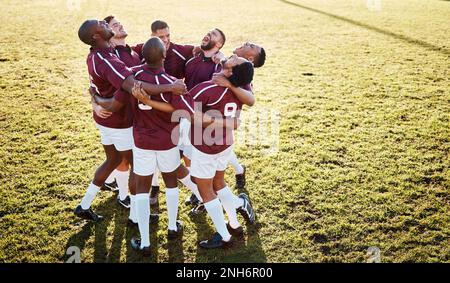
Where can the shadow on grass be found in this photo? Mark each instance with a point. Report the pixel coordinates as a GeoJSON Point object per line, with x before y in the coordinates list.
{"type": "Point", "coordinates": [373, 28]}
{"type": "Point", "coordinates": [246, 250]}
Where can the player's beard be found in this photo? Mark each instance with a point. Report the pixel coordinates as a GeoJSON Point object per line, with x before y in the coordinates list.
{"type": "Point", "coordinates": [208, 46]}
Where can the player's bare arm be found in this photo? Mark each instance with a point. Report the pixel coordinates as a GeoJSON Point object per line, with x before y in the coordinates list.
{"type": "Point", "coordinates": [140, 94]}
{"type": "Point", "coordinates": [245, 96]}
{"type": "Point", "coordinates": [177, 87]}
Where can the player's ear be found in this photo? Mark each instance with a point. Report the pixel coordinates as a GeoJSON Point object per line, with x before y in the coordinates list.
{"type": "Point", "coordinates": [95, 37]}
{"type": "Point", "coordinates": [251, 59]}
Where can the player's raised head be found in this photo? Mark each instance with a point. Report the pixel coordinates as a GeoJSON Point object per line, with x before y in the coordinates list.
{"type": "Point", "coordinates": [154, 51]}
{"type": "Point", "coordinates": [252, 52]}
{"type": "Point", "coordinates": [116, 26]}
{"type": "Point", "coordinates": [238, 70]}
{"type": "Point", "coordinates": [161, 29]}
{"type": "Point", "coordinates": [215, 38]}
{"type": "Point", "coordinates": [93, 32]}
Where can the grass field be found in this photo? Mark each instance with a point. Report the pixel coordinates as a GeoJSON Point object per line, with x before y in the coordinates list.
{"type": "Point", "coordinates": [364, 140]}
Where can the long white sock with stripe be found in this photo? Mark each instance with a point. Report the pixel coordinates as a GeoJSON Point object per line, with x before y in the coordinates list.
{"type": "Point", "coordinates": [227, 198]}
{"type": "Point", "coordinates": [122, 182]}
{"type": "Point", "coordinates": [88, 198]}
{"type": "Point", "coordinates": [143, 215]}
{"type": "Point", "coordinates": [215, 211]}
{"type": "Point", "coordinates": [172, 199]}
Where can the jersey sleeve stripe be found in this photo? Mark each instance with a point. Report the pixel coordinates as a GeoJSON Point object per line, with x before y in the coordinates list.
{"type": "Point", "coordinates": [178, 53]}
{"type": "Point", "coordinates": [138, 72]}
{"type": "Point", "coordinates": [203, 90]}
{"type": "Point", "coordinates": [111, 66]}
{"type": "Point", "coordinates": [190, 60]}
{"type": "Point", "coordinates": [162, 96]}
{"type": "Point", "coordinates": [220, 98]}
{"type": "Point", "coordinates": [93, 65]}
{"type": "Point", "coordinates": [187, 104]}
{"type": "Point", "coordinates": [167, 78]}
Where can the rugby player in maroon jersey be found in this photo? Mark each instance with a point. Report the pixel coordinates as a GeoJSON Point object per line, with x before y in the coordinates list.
{"type": "Point", "coordinates": [212, 149]}
{"type": "Point", "coordinates": [118, 179]}
{"type": "Point", "coordinates": [257, 56]}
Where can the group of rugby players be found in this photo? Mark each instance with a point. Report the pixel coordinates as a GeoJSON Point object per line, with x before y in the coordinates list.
{"type": "Point", "coordinates": [156, 103]}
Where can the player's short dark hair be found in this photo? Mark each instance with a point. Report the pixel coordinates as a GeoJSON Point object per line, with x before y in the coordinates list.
{"type": "Point", "coordinates": [223, 36]}
{"type": "Point", "coordinates": [158, 24]}
{"type": "Point", "coordinates": [242, 74]}
{"type": "Point", "coordinates": [84, 32]}
{"type": "Point", "coordinates": [153, 50]}
{"type": "Point", "coordinates": [260, 59]}
{"type": "Point", "coordinates": [108, 19]}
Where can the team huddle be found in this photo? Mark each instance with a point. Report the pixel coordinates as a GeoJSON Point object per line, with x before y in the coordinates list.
{"type": "Point", "coordinates": [158, 103]}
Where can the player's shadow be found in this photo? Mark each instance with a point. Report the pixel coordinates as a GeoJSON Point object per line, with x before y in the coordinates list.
{"type": "Point", "coordinates": [246, 250]}
{"type": "Point", "coordinates": [115, 217]}
{"type": "Point", "coordinates": [108, 209]}
{"type": "Point", "coordinates": [373, 28]}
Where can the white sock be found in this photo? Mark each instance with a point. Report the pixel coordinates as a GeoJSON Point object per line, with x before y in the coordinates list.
{"type": "Point", "coordinates": [89, 196]}
{"type": "Point", "coordinates": [215, 211]}
{"type": "Point", "coordinates": [235, 163]}
{"type": "Point", "coordinates": [133, 216]}
{"type": "Point", "coordinates": [143, 215]}
{"type": "Point", "coordinates": [191, 186]}
{"type": "Point", "coordinates": [111, 177]}
{"type": "Point", "coordinates": [172, 198]}
{"type": "Point", "coordinates": [122, 182]}
{"type": "Point", "coordinates": [227, 198]}
{"type": "Point", "coordinates": [155, 180]}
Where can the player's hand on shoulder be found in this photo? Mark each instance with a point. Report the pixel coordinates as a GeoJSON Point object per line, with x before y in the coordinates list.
{"type": "Point", "coordinates": [179, 87]}
{"type": "Point", "coordinates": [220, 80]}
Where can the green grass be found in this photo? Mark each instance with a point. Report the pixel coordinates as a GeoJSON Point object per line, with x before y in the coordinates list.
{"type": "Point", "coordinates": [364, 147]}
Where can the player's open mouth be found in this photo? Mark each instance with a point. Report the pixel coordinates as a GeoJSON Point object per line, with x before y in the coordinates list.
{"type": "Point", "coordinates": [206, 39]}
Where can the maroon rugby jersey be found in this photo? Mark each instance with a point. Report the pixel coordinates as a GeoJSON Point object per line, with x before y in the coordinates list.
{"type": "Point", "coordinates": [176, 58]}
{"type": "Point", "coordinates": [127, 55]}
{"type": "Point", "coordinates": [224, 104]}
{"type": "Point", "coordinates": [106, 74]}
{"type": "Point", "coordinates": [200, 69]}
{"type": "Point", "coordinates": [152, 129]}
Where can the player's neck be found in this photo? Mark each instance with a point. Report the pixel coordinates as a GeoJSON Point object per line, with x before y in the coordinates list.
{"type": "Point", "coordinates": [155, 67]}
{"type": "Point", "coordinates": [118, 41]}
{"type": "Point", "coordinates": [210, 53]}
{"type": "Point", "coordinates": [104, 44]}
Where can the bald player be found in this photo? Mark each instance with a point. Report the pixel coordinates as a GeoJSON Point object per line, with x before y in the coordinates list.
{"type": "Point", "coordinates": [107, 75]}
{"type": "Point", "coordinates": [211, 153]}
{"type": "Point", "coordinates": [153, 145]}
